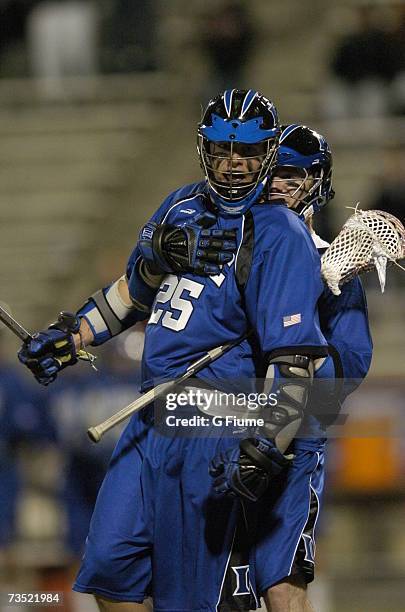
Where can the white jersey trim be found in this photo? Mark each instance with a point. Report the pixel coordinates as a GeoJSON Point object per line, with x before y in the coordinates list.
{"type": "Point", "coordinates": [224, 574]}
{"type": "Point", "coordinates": [241, 240]}
{"type": "Point", "coordinates": [196, 195]}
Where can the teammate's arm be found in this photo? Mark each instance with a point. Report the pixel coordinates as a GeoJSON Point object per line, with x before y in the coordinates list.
{"type": "Point", "coordinates": [344, 322]}
{"type": "Point", "coordinates": [161, 248]}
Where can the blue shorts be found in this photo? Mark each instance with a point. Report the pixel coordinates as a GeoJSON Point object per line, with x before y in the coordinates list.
{"type": "Point", "coordinates": [284, 542]}
{"type": "Point", "coordinates": [159, 529]}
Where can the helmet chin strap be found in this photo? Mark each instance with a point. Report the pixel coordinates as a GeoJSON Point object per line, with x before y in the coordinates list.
{"type": "Point", "coordinates": [233, 211]}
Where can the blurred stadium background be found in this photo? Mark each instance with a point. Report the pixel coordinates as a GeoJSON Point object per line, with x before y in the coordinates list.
{"type": "Point", "coordinates": [98, 107]}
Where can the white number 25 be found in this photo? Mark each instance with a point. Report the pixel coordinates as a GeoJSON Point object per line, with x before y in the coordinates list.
{"type": "Point", "coordinates": [171, 291]}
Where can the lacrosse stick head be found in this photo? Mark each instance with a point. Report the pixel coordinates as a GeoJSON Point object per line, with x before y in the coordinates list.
{"type": "Point", "coordinates": [368, 240]}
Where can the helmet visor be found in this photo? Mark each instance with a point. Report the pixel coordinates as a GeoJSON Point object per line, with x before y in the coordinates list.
{"type": "Point", "coordinates": [296, 186]}
{"type": "Point", "coordinates": [234, 169]}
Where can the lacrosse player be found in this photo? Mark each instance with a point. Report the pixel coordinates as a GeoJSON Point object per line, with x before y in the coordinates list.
{"type": "Point", "coordinates": [161, 525]}
{"type": "Point", "coordinates": [303, 180]}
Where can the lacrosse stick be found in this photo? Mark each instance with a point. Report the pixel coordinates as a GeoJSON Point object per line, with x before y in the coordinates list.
{"type": "Point", "coordinates": [368, 240]}
{"type": "Point", "coordinates": [96, 433]}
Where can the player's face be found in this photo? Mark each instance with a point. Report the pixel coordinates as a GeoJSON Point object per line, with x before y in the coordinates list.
{"type": "Point", "coordinates": [236, 162]}
{"type": "Point", "coordinates": [291, 185]}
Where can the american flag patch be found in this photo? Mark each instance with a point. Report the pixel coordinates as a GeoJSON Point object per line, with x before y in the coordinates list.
{"type": "Point", "coordinates": [291, 320]}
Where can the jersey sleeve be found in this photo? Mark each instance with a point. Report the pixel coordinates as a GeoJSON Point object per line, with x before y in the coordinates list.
{"type": "Point", "coordinates": [282, 292]}
{"type": "Point", "coordinates": [142, 290]}
{"type": "Point", "coordinates": [344, 322]}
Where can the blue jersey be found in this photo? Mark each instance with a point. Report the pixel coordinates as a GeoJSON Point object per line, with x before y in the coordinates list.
{"type": "Point", "coordinates": [192, 314]}
{"type": "Point", "coordinates": [344, 321]}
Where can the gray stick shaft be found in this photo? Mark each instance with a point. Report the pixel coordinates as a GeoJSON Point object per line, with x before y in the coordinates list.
{"type": "Point", "coordinates": [14, 325]}
{"type": "Point", "coordinates": [96, 433]}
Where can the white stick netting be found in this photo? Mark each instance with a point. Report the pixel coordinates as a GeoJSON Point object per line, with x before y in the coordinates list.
{"type": "Point", "coordinates": [369, 239]}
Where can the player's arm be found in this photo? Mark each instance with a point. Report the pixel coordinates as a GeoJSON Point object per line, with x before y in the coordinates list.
{"type": "Point", "coordinates": [281, 301]}
{"type": "Point", "coordinates": [105, 314]}
{"type": "Point", "coordinates": [115, 308]}
{"type": "Point", "coordinates": [283, 310]}
{"type": "Point", "coordinates": [247, 470]}
{"type": "Point", "coordinates": [161, 248]}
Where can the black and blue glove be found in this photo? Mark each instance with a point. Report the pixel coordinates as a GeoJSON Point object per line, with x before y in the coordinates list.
{"type": "Point", "coordinates": [191, 248]}
{"type": "Point", "coordinates": [246, 470]}
{"type": "Point", "coordinates": [51, 350]}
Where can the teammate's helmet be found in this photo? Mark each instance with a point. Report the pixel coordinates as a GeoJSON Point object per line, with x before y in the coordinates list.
{"type": "Point", "coordinates": [304, 149]}
{"type": "Point", "coordinates": [237, 144]}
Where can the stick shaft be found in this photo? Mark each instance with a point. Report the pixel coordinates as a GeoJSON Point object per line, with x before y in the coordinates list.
{"type": "Point", "coordinates": [96, 433]}
{"type": "Point", "coordinates": [14, 325]}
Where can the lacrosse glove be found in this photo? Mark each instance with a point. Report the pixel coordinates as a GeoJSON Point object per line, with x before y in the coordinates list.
{"type": "Point", "coordinates": [191, 248]}
{"type": "Point", "coordinates": [50, 351]}
{"type": "Point", "coordinates": [246, 470]}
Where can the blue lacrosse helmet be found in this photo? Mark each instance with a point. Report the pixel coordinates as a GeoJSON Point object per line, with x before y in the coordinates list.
{"type": "Point", "coordinates": [237, 142]}
{"type": "Point", "coordinates": [307, 154]}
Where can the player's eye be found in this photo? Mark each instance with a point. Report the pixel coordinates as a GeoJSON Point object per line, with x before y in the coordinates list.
{"type": "Point", "coordinates": [219, 150]}
{"type": "Point", "coordinates": [291, 174]}
{"type": "Point", "coordinates": [248, 150]}
{"type": "Point", "coordinates": [240, 149]}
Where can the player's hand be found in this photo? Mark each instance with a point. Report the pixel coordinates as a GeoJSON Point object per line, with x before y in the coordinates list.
{"type": "Point", "coordinates": [246, 470]}
{"type": "Point", "coordinates": [51, 350]}
{"type": "Point", "coordinates": [191, 248]}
